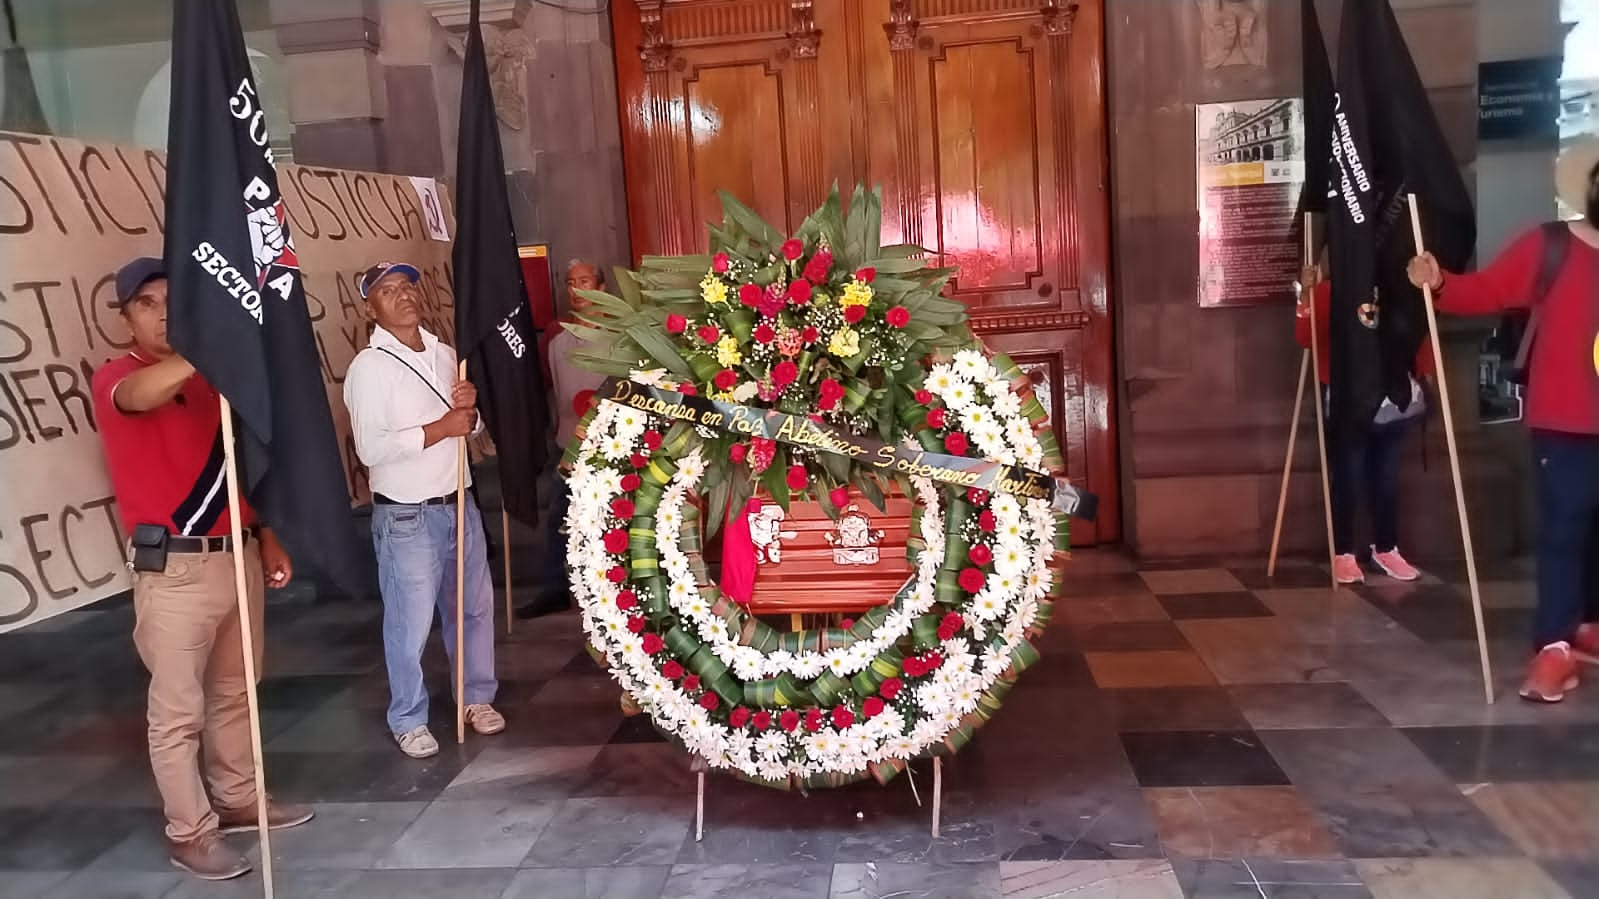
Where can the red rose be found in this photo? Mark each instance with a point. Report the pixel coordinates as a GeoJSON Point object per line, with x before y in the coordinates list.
{"type": "Point", "coordinates": [626, 599]}
{"type": "Point", "coordinates": [736, 452]}
{"type": "Point", "coordinates": [797, 478]}
{"type": "Point", "coordinates": [980, 555]}
{"type": "Point", "coordinates": [820, 265]}
{"type": "Point", "coordinates": [867, 274]}
{"type": "Point", "coordinates": [764, 333]}
{"type": "Point", "coordinates": [653, 643]}
{"type": "Point", "coordinates": [971, 580]}
{"type": "Point", "coordinates": [616, 541]}
{"type": "Point", "coordinates": [738, 717]}
{"type": "Point", "coordinates": [826, 404]}
{"type": "Point", "coordinates": [842, 717]}
{"type": "Point", "coordinates": [672, 670]}
{"type": "Point", "coordinates": [784, 373]}
{"type": "Point", "coordinates": [950, 626]}
{"type": "Point", "coordinates": [985, 521]}
{"type": "Point", "coordinates": [831, 389]}
{"type": "Point", "coordinates": [622, 507]}
{"type": "Point", "coordinates": [720, 263]}
{"type": "Point", "coordinates": [652, 440]}
{"type": "Point", "coordinates": [853, 314]}
{"type": "Point", "coordinates": [813, 720]}
{"type": "Point", "coordinates": [725, 379]}
{"type": "Point", "coordinates": [846, 623]}
{"type": "Point", "coordinates": [616, 575]}
{"type": "Point", "coordinates": [676, 324]}
{"type": "Point", "coordinates": [762, 720]}
{"type": "Point", "coordinates": [749, 295]}
{"type": "Point", "coordinates": [955, 443]}
{"type": "Point", "coordinates": [788, 720]}
{"type": "Point", "coordinates": [872, 707]}
{"type": "Point", "coordinates": [638, 460]}
{"type": "Point", "coordinates": [710, 701]}
{"type": "Point", "coordinates": [691, 683]}
{"type": "Point", "coordinates": [635, 623]}
{"type": "Point", "coordinates": [631, 482]}
{"type": "Point", "coordinates": [924, 397]}
{"type": "Point", "coordinates": [809, 335]}
{"type": "Point", "coordinates": [978, 497]}
{"type": "Point", "coordinates": [839, 496]}
{"type": "Point", "coordinates": [914, 668]}
{"type": "Point", "coordinates": [799, 292]}
{"type": "Point", "coordinates": [935, 418]}
{"type": "Point", "coordinates": [897, 317]}
{"type": "Point", "coordinates": [891, 687]}
{"type": "Point", "coordinates": [709, 333]}
{"type": "Point", "coordinates": [771, 302]}
{"type": "Point", "coordinates": [933, 659]}
{"type": "Point", "coordinates": [793, 249]}
{"type": "Point", "coordinates": [686, 389]}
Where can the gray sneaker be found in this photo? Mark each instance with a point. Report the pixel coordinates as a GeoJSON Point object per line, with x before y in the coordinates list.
{"type": "Point", "coordinates": [208, 858]}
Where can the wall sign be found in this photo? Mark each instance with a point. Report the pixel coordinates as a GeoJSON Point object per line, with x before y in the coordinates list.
{"type": "Point", "coordinates": [1519, 99]}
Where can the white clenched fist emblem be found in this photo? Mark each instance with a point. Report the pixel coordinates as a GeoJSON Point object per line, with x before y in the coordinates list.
{"type": "Point", "coordinates": [269, 239]}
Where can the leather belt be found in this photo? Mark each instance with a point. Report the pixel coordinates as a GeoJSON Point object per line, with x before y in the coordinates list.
{"type": "Point", "coordinates": [448, 499]}
{"type": "Point", "coordinates": [194, 545]}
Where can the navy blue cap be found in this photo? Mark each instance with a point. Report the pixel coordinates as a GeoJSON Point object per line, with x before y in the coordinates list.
{"type": "Point", "coordinates": [373, 275]}
{"type": "Point", "coordinates": [135, 275]}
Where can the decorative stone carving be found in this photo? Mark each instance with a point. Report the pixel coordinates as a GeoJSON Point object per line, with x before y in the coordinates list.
{"type": "Point", "coordinates": [454, 15]}
{"type": "Point", "coordinates": [901, 25]}
{"type": "Point", "coordinates": [506, 50]}
{"type": "Point", "coordinates": [853, 540]}
{"type": "Point", "coordinates": [1233, 33]}
{"type": "Point", "coordinates": [655, 51]}
{"type": "Point", "coordinates": [804, 38]}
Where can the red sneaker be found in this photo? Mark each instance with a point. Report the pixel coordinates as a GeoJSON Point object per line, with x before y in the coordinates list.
{"type": "Point", "coordinates": [1552, 673]}
{"type": "Point", "coordinates": [1585, 646]}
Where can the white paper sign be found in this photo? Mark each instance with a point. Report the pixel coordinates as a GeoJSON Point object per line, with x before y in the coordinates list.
{"type": "Point", "coordinates": [427, 195]}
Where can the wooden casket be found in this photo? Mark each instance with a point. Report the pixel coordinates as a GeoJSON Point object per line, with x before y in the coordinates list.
{"type": "Point", "coordinates": [810, 564]}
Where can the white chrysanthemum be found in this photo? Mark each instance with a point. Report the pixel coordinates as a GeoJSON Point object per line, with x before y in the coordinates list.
{"type": "Point", "coordinates": [716, 631]}
{"type": "Point", "coordinates": [986, 606]}
{"type": "Point", "coordinates": [772, 744]}
{"type": "Point", "coordinates": [822, 744]}
{"type": "Point", "coordinates": [680, 593]}
{"type": "Point", "coordinates": [668, 521]}
{"type": "Point", "coordinates": [959, 395]}
{"type": "Point", "coordinates": [971, 365]}
{"type": "Point", "coordinates": [1018, 431]}
{"type": "Point", "coordinates": [1005, 505]}
{"type": "Point", "coordinates": [696, 606]}
{"type": "Point", "coordinates": [654, 377]}
{"type": "Point", "coordinates": [1006, 584]}
{"type": "Point", "coordinates": [1031, 456]}
{"type": "Point", "coordinates": [691, 468]}
{"type": "Point", "coordinates": [1012, 559]}
{"type": "Point", "coordinates": [1008, 404]}
{"type": "Point", "coordinates": [616, 449]}
{"type": "Point", "coordinates": [976, 418]}
{"type": "Point", "coordinates": [810, 666]}
{"type": "Point", "coordinates": [837, 661]}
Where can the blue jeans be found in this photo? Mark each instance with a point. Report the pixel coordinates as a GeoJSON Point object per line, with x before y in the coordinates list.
{"type": "Point", "coordinates": [1568, 492]}
{"type": "Point", "coordinates": [1372, 467]}
{"type": "Point", "coordinates": [416, 572]}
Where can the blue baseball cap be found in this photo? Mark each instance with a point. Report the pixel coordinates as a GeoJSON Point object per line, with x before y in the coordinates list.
{"type": "Point", "coordinates": [135, 275]}
{"type": "Point", "coordinates": [373, 275]}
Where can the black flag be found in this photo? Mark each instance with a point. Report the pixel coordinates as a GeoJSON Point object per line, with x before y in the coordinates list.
{"type": "Point", "coordinates": [1386, 144]}
{"type": "Point", "coordinates": [19, 104]}
{"type": "Point", "coordinates": [237, 309]}
{"type": "Point", "coordinates": [493, 325]}
{"type": "Point", "coordinates": [1318, 91]}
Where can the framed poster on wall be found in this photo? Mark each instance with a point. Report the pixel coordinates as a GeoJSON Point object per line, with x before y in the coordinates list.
{"type": "Point", "coordinates": [1250, 166]}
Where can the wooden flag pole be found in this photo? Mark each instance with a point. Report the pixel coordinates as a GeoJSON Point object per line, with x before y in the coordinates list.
{"type": "Point", "coordinates": [1288, 463]}
{"type": "Point", "coordinates": [1321, 422]}
{"type": "Point", "coordinates": [505, 537]}
{"type": "Point", "coordinates": [247, 646]}
{"type": "Point", "coordinates": [460, 584]}
{"type": "Point", "coordinates": [1454, 467]}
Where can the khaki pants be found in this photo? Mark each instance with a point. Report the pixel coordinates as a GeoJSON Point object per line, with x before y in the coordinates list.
{"type": "Point", "coordinates": [187, 634]}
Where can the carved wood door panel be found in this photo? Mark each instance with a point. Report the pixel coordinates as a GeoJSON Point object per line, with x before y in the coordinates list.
{"type": "Point", "coordinates": [983, 120]}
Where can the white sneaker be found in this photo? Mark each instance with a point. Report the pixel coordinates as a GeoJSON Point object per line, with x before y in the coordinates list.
{"type": "Point", "coordinates": [419, 743]}
{"type": "Point", "coordinates": [484, 719]}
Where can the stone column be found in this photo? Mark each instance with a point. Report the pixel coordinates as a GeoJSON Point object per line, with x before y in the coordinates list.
{"type": "Point", "coordinates": [337, 100]}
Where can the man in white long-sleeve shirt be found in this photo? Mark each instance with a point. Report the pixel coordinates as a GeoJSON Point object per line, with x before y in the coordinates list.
{"type": "Point", "coordinates": [407, 409]}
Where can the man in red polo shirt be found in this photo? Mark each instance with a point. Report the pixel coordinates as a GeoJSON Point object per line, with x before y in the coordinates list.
{"type": "Point", "coordinates": [1562, 407]}
{"type": "Point", "coordinates": [162, 428]}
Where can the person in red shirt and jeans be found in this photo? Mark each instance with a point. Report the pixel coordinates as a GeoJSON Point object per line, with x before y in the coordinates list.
{"type": "Point", "coordinates": [1374, 463]}
{"type": "Point", "coordinates": [161, 425]}
{"type": "Point", "coordinates": [1562, 410]}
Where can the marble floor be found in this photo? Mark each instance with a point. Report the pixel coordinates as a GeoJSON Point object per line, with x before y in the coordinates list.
{"type": "Point", "coordinates": [1193, 730]}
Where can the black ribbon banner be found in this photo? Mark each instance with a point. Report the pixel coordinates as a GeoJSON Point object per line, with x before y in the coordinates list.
{"type": "Point", "coordinates": [801, 431]}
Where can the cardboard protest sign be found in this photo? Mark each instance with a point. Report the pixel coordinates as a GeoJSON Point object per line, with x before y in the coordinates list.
{"type": "Point", "coordinates": [71, 213]}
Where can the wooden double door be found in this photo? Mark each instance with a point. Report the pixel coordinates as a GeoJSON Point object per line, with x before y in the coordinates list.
{"type": "Point", "coordinates": [982, 120]}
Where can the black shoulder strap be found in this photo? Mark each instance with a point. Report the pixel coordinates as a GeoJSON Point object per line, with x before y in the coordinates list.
{"type": "Point", "coordinates": [1556, 245]}
{"type": "Point", "coordinates": [423, 378]}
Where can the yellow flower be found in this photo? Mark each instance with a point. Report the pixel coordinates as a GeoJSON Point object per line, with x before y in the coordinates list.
{"type": "Point", "coordinates": [845, 343]}
{"type": "Point", "coordinates": [856, 293]}
{"type": "Point", "coordinates": [713, 289]}
{"type": "Point", "coordinates": [727, 350]}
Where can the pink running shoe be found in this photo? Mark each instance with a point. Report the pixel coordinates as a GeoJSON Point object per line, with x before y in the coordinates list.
{"type": "Point", "coordinates": [1394, 565]}
{"type": "Point", "coordinates": [1346, 570]}
{"type": "Point", "coordinates": [1585, 646]}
